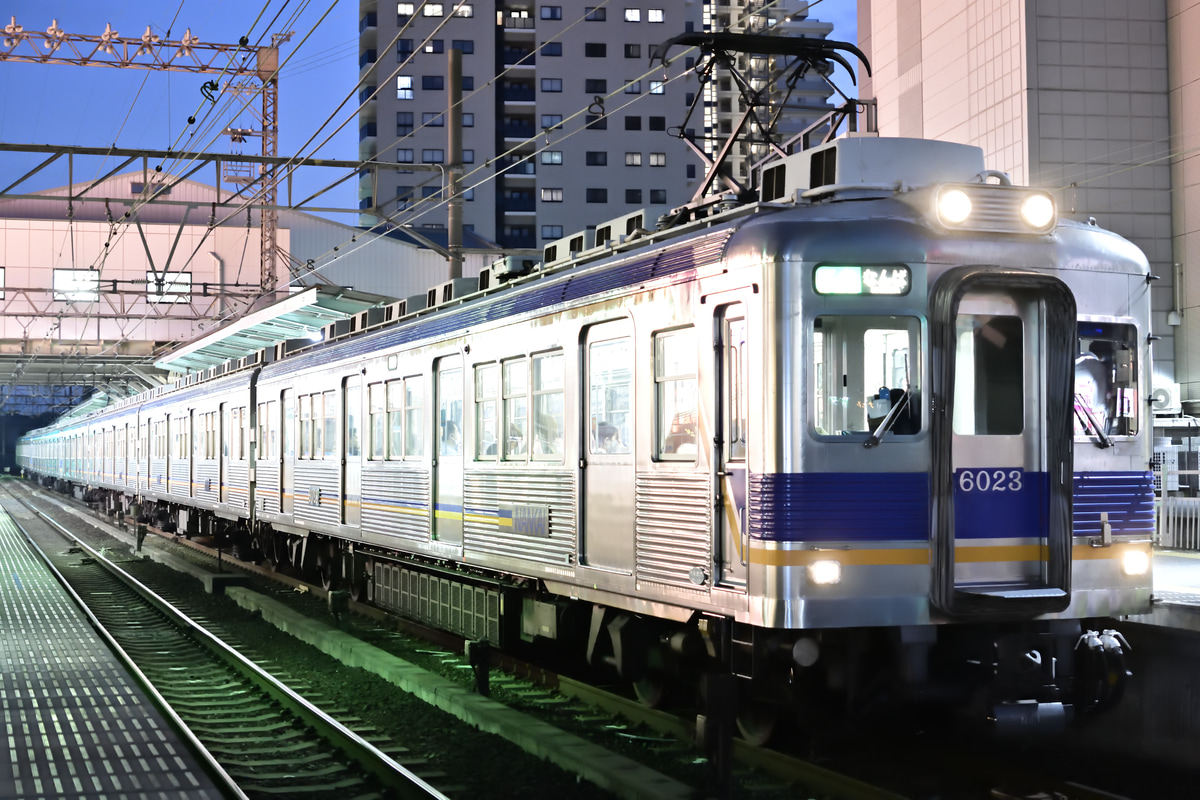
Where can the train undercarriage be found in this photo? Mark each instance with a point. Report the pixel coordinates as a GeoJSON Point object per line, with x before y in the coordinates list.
{"type": "Point", "coordinates": [1020, 676]}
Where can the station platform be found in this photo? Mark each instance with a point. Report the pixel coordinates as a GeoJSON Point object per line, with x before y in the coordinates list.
{"type": "Point", "coordinates": [78, 724]}
{"type": "Point", "coordinates": [1176, 591]}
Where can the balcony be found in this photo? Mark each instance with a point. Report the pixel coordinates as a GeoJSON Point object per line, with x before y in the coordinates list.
{"type": "Point", "coordinates": [525, 57]}
{"type": "Point", "coordinates": [519, 94]}
{"type": "Point", "coordinates": [367, 57]}
{"type": "Point", "coordinates": [519, 24]}
{"type": "Point", "coordinates": [367, 131]}
{"type": "Point", "coordinates": [518, 130]}
{"type": "Point", "coordinates": [368, 22]}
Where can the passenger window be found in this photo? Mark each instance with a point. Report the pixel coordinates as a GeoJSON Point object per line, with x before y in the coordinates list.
{"type": "Point", "coordinates": [414, 407]}
{"type": "Point", "coordinates": [353, 412]}
{"type": "Point", "coordinates": [548, 405]}
{"type": "Point", "coordinates": [486, 421]}
{"type": "Point", "coordinates": [610, 381]}
{"type": "Point", "coordinates": [516, 408]}
{"type": "Point", "coordinates": [395, 413]}
{"type": "Point", "coordinates": [306, 426]}
{"type": "Point", "coordinates": [450, 412]}
{"type": "Point", "coordinates": [377, 410]}
{"type": "Point", "coordinates": [1106, 380]}
{"type": "Point", "coordinates": [330, 425]}
{"type": "Point", "coordinates": [861, 367]}
{"type": "Point", "coordinates": [675, 395]}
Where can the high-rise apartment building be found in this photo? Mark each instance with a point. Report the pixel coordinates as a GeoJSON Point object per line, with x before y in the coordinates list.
{"type": "Point", "coordinates": [566, 123]}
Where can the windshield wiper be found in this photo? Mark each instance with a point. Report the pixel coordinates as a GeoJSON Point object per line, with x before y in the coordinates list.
{"type": "Point", "coordinates": [888, 421]}
{"type": "Point", "coordinates": [1084, 411]}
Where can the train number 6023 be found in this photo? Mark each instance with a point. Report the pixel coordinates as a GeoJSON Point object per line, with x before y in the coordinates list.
{"type": "Point", "coordinates": [990, 480]}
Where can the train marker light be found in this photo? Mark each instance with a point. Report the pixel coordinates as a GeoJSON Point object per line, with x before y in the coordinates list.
{"type": "Point", "coordinates": [1038, 212]}
{"type": "Point", "coordinates": [1135, 562]}
{"type": "Point", "coordinates": [953, 207]}
{"type": "Point", "coordinates": [825, 573]}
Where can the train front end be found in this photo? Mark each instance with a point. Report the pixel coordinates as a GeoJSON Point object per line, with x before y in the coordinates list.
{"type": "Point", "coordinates": [957, 442]}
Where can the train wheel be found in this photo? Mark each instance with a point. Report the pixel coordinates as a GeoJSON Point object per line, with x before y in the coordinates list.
{"type": "Point", "coordinates": [756, 720]}
{"type": "Point", "coordinates": [652, 689]}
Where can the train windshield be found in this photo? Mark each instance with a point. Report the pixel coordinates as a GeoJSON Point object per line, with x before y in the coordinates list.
{"type": "Point", "coordinates": [1106, 380]}
{"type": "Point", "coordinates": [862, 366]}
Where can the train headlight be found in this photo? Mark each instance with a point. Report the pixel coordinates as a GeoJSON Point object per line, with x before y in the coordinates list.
{"type": "Point", "coordinates": [1135, 562]}
{"type": "Point", "coordinates": [953, 207]}
{"type": "Point", "coordinates": [825, 573]}
{"type": "Point", "coordinates": [1038, 212]}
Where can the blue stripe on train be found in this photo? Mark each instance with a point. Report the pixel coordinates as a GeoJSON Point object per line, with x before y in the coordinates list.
{"type": "Point", "coordinates": [894, 506]}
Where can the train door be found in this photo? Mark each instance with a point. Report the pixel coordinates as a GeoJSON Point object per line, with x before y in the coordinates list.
{"type": "Point", "coordinates": [223, 454]}
{"type": "Point", "coordinates": [608, 480]}
{"type": "Point", "coordinates": [731, 474]}
{"type": "Point", "coordinates": [352, 451]}
{"type": "Point", "coordinates": [287, 453]}
{"type": "Point", "coordinates": [448, 459]}
{"type": "Point", "coordinates": [1004, 357]}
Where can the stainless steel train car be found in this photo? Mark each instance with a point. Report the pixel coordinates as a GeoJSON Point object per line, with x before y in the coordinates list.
{"type": "Point", "coordinates": [883, 430]}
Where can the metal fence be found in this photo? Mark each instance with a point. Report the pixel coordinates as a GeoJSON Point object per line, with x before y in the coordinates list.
{"type": "Point", "coordinates": [1178, 523]}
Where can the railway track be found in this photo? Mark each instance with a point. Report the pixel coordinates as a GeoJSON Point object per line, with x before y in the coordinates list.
{"type": "Point", "coordinates": [269, 739]}
{"type": "Point", "coordinates": [758, 772]}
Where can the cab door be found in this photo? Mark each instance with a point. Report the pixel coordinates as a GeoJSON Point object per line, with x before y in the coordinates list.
{"type": "Point", "coordinates": [731, 473]}
{"type": "Point", "coordinates": [1003, 348]}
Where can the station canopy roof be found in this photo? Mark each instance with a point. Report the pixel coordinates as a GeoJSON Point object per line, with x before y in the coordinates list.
{"type": "Point", "coordinates": [298, 316]}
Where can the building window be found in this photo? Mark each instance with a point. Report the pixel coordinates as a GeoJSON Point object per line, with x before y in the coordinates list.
{"type": "Point", "coordinates": [433, 82]}
{"type": "Point", "coordinates": [552, 195]}
{"type": "Point", "coordinates": [437, 10]}
{"type": "Point", "coordinates": [468, 83]}
{"type": "Point", "coordinates": [597, 195]}
{"type": "Point", "coordinates": [595, 86]}
{"type": "Point", "coordinates": [552, 231]}
{"type": "Point", "coordinates": [431, 191]}
{"type": "Point", "coordinates": [633, 15]}
{"type": "Point", "coordinates": [464, 46]}
{"type": "Point", "coordinates": [551, 84]}
{"type": "Point", "coordinates": [465, 10]}
{"type": "Point", "coordinates": [552, 49]}
{"type": "Point", "coordinates": [468, 157]}
{"type": "Point", "coordinates": [551, 121]}
{"type": "Point", "coordinates": [468, 119]}
{"type": "Point", "coordinates": [433, 156]}
{"type": "Point", "coordinates": [596, 158]}
{"type": "Point", "coordinates": [435, 46]}
{"type": "Point", "coordinates": [434, 119]}
{"type": "Point", "coordinates": [404, 87]}
{"type": "Point", "coordinates": [77, 285]}
{"type": "Point", "coordinates": [169, 287]}
{"type": "Point", "coordinates": [551, 12]}
{"type": "Point", "coordinates": [633, 51]}
{"type": "Point", "coordinates": [404, 49]}
{"type": "Point", "coordinates": [633, 87]}
{"type": "Point", "coordinates": [594, 14]}
{"type": "Point", "coordinates": [690, 169]}
{"type": "Point", "coordinates": [595, 123]}
{"type": "Point", "coordinates": [404, 196]}
{"type": "Point", "coordinates": [655, 15]}
{"type": "Point", "coordinates": [404, 155]}
{"type": "Point", "coordinates": [633, 159]}
{"type": "Point", "coordinates": [404, 123]}
{"type": "Point", "coordinates": [658, 196]}
{"type": "Point", "coordinates": [595, 50]}
{"type": "Point", "coordinates": [658, 159]}
{"type": "Point", "coordinates": [656, 87]}
{"type": "Point", "coordinates": [633, 123]}
{"type": "Point", "coordinates": [633, 196]}
{"type": "Point", "coordinates": [404, 9]}
{"type": "Point", "coordinates": [552, 156]}
{"type": "Point", "coordinates": [657, 123]}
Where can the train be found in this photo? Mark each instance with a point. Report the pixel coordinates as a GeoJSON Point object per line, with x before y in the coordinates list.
{"type": "Point", "coordinates": [879, 431]}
